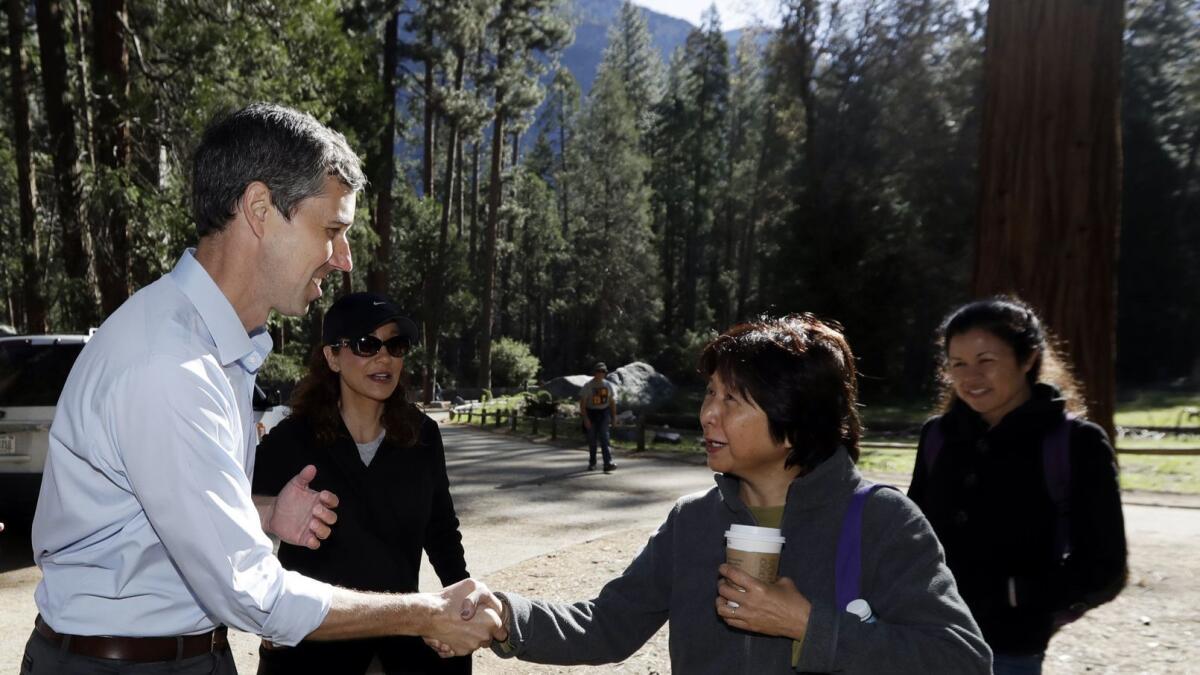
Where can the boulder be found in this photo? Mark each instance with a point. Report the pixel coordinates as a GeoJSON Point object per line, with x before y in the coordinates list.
{"type": "Point", "coordinates": [641, 387]}
{"type": "Point", "coordinates": [567, 386]}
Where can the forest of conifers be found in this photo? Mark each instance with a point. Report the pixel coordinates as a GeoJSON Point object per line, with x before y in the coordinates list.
{"type": "Point", "coordinates": [830, 165]}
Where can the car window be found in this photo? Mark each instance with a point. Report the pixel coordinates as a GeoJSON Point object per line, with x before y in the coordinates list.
{"type": "Point", "coordinates": [34, 374]}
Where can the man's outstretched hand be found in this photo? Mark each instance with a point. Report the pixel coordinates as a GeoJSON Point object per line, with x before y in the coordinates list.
{"type": "Point", "coordinates": [471, 619]}
{"type": "Point", "coordinates": [299, 515]}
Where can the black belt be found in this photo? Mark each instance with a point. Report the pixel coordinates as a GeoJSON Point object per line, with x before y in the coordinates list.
{"type": "Point", "coordinates": [139, 649]}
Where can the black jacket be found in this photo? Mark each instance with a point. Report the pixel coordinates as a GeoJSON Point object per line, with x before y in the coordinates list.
{"type": "Point", "coordinates": [987, 500]}
{"type": "Point", "coordinates": [387, 514]}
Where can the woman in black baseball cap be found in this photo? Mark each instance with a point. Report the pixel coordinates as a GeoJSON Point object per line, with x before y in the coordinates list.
{"type": "Point", "coordinates": [383, 458]}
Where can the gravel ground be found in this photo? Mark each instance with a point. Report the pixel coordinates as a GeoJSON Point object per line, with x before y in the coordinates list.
{"type": "Point", "coordinates": [1152, 627]}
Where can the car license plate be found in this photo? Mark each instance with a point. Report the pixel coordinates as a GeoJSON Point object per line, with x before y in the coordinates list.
{"type": "Point", "coordinates": [8, 444]}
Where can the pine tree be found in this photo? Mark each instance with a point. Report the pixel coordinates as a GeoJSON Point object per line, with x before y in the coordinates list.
{"type": "Point", "coordinates": [631, 53]}
{"type": "Point", "coordinates": [611, 241]}
{"type": "Point", "coordinates": [522, 29]}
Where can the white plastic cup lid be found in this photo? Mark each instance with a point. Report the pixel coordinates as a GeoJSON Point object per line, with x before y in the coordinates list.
{"type": "Point", "coordinates": [764, 534]}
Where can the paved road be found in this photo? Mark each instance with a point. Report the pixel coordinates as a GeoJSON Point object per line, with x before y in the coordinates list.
{"type": "Point", "coordinates": [517, 500]}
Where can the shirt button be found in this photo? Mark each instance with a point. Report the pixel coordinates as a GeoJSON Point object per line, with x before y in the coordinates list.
{"type": "Point", "coordinates": [971, 480]}
{"type": "Point", "coordinates": [981, 445]}
{"type": "Point", "coordinates": [960, 518]}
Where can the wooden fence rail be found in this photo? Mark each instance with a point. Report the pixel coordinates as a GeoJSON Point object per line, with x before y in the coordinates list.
{"type": "Point", "coordinates": [655, 425]}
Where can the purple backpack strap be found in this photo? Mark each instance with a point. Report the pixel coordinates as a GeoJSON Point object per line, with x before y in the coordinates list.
{"type": "Point", "coordinates": [1056, 464]}
{"type": "Point", "coordinates": [848, 569]}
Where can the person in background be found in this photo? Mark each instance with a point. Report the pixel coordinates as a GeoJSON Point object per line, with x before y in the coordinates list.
{"type": "Point", "coordinates": [1021, 490]}
{"type": "Point", "coordinates": [598, 406]}
{"type": "Point", "coordinates": [350, 418]}
{"type": "Point", "coordinates": [781, 427]}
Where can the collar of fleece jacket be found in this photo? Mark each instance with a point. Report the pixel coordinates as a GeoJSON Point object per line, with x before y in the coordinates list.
{"type": "Point", "coordinates": [1038, 415]}
{"type": "Point", "coordinates": [831, 481]}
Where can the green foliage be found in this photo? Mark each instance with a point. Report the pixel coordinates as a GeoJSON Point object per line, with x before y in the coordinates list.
{"type": "Point", "coordinates": [828, 167]}
{"type": "Point", "coordinates": [513, 364]}
{"type": "Point", "coordinates": [538, 404]}
{"type": "Point", "coordinates": [281, 372]}
{"type": "Point", "coordinates": [1158, 281]}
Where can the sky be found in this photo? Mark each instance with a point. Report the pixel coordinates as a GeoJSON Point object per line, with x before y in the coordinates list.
{"type": "Point", "coordinates": [734, 13]}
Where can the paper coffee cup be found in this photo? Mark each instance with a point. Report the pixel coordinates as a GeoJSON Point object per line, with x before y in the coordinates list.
{"type": "Point", "coordinates": [755, 550]}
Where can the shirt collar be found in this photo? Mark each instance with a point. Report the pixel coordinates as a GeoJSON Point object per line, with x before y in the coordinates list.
{"type": "Point", "coordinates": [233, 343]}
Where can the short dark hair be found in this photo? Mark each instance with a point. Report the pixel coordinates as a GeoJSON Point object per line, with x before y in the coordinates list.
{"type": "Point", "coordinates": [800, 371]}
{"type": "Point", "coordinates": [288, 150]}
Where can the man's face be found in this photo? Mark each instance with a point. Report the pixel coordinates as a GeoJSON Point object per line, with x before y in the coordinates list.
{"type": "Point", "coordinates": [303, 251]}
{"type": "Point", "coordinates": [598, 375]}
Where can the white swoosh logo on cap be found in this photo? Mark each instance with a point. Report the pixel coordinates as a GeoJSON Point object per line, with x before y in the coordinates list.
{"type": "Point", "coordinates": [377, 303]}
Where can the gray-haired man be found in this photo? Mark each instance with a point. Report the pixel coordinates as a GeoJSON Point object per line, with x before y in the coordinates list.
{"type": "Point", "coordinates": [146, 534]}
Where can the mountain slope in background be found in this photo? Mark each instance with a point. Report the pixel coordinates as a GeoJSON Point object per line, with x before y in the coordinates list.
{"type": "Point", "coordinates": [592, 19]}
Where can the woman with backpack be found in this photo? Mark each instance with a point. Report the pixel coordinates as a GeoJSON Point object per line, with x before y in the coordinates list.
{"type": "Point", "coordinates": [781, 429]}
{"type": "Point", "coordinates": [1020, 489]}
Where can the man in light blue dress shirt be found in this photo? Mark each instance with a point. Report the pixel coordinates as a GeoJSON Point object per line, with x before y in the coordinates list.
{"type": "Point", "coordinates": [145, 532]}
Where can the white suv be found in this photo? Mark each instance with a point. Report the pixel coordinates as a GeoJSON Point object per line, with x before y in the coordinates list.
{"type": "Point", "coordinates": [33, 370]}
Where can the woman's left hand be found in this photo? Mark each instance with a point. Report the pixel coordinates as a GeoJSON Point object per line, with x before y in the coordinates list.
{"type": "Point", "coordinates": [771, 609]}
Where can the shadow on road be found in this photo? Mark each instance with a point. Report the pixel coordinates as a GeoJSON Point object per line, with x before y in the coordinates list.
{"type": "Point", "coordinates": [15, 550]}
{"type": "Point", "coordinates": [548, 478]}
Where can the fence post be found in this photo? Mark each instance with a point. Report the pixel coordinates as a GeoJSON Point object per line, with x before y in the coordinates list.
{"type": "Point", "coordinates": [554, 426]}
{"type": "Point", "coordinates": [470, 411]}
{"type": "Point", "coordinates": [641, 433]}
{"type": "Point", "coordinates": [512, 416]}
{"type": "Point", "coordinates": [533, 426]}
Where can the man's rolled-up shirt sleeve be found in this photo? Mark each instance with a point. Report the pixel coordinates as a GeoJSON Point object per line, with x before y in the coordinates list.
{"type": "Point", "coordinates": [181, 442]}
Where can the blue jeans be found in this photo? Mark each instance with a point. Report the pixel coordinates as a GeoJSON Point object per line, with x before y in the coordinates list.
{"type": "Point", "coordinates": [1017, 664]}
{"type": "Point", "coordinates": [598, 433]}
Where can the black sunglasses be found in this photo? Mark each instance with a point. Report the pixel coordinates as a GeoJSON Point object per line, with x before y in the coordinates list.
{"type": "Point", "coordinates": [369, 345]}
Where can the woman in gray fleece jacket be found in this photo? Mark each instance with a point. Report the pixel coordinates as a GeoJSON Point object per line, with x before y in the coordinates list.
{"type": "Point", "coordinates": [781, 429]}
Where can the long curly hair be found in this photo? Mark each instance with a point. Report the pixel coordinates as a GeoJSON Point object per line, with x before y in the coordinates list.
{"type": "Point", "coordinates": [800, 371]}
{"type": "Point", "coordinates": [315, 400]}
{"type": "Point", "coordinates": [1016, 324]}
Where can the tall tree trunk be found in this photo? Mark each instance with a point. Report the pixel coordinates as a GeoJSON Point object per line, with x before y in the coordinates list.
{"type": "Point", "coordinates": [109, 208]}
{"type": "Point", "coordinates": [493, 220]}
{"type": "Point", "coordinates": [564, 180]}
{"type": "Point", "coordinates": [79, 302]}
{"type": "Point", "coordinates": [31, 300]}
{"type": "Point", "coordinates": [436, 301]}
{"type": "Point", "coordinates": [1050, 168]}
{"type": "Point", "coordinates": [430, 131]}
{"type": "Point", "coordinates": [377, 272]}
{"type": "Point", "coordinates": [472, 246]}
{"type": "Point", "coordinates": [82, 82]}
{"type": "Point", "coordinates": [458, 189]}
{"type": "Point", "coordinates": [748, 253]}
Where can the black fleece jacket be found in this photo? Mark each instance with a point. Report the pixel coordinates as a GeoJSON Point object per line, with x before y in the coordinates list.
{"type": "Point", "coordinates": [388, 513]}
{"type": "Point", "coordinates": [987, 500]}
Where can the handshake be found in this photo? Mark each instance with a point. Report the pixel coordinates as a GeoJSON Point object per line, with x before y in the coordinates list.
{"type": "Point", "coordinates": [467, 616]}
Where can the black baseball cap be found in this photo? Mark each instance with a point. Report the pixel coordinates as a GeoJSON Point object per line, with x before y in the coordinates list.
{"type": "Point", "coordinates": [356, 314]}
{"type": "Point", "coordinates": [599, 367]}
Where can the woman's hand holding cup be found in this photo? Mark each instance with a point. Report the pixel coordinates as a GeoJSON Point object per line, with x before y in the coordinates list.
{"type": "Point", "coordinates": [748, 604]}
